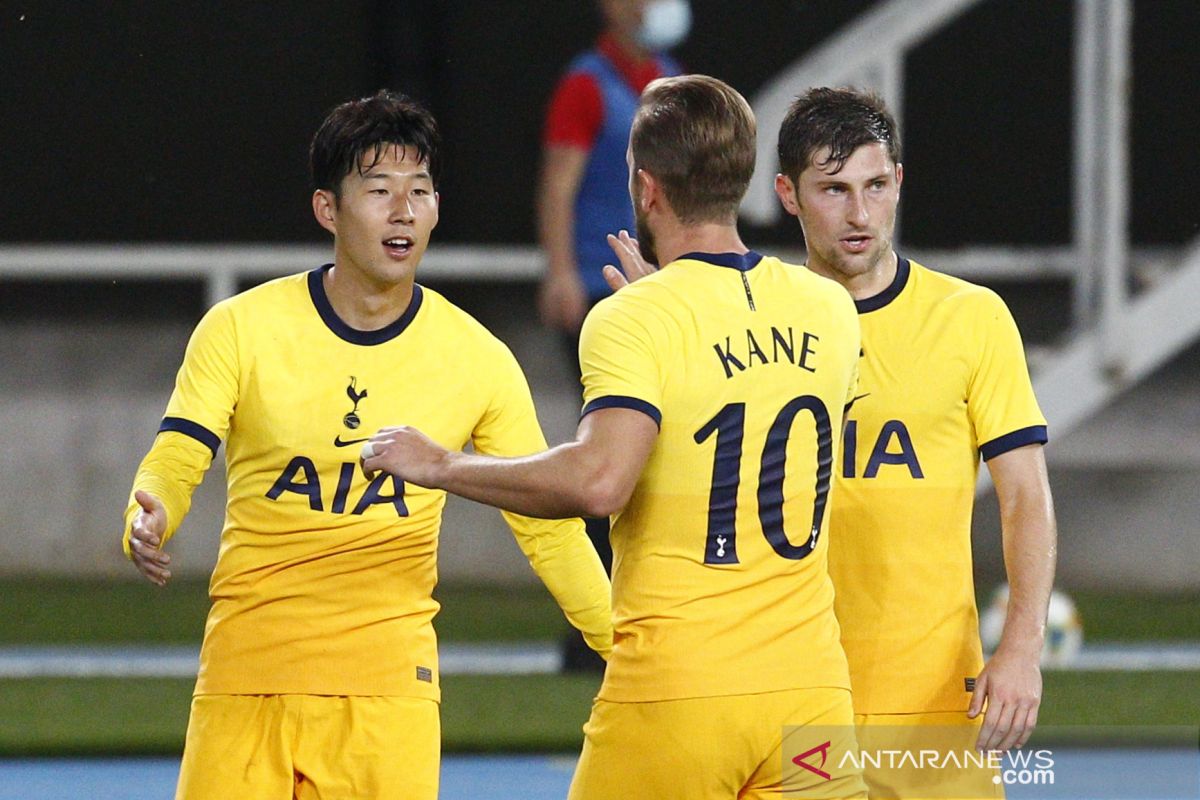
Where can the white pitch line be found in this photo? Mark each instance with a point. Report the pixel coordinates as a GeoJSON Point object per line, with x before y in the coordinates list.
{"type": "Point", "coordinates": [181, 661]}
{"type": "Point", "coordinates": [1137, 657]}
{"type": "Point", "coordinates": [528, 658]}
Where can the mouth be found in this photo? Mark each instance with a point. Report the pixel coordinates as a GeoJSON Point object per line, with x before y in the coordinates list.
{"type": "Point", "coordinates": [856, 243]}
{"type": "Point", "coordinates": [399, 246]}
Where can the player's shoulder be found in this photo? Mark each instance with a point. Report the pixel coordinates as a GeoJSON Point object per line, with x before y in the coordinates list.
{"type": "Point", "coordinates": [266, 299]}
{"type": "Point", "coordinates": [810, 284]}
{"type": "Point", "coordinates": [457, 325]}
{"type": "Point", "coordinates": [941, 287]}
{"type": "Point", "coordinates": [271, 291]}
{"type": "Point", "coordinates": [631, 300]}
{"type": "Point", "coordinates": [645, 291]}
{"type": "Point", "coordinates": [640, 308]}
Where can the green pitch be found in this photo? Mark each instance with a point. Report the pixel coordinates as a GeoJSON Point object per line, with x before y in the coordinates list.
{"type": "Point", "coordinates": [542, 713]}
{"type": "Point", "coordinates": [479, 713]}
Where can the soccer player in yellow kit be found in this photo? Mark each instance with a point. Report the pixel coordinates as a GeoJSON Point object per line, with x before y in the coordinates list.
{"type": "Point", "coordinates": [318, 672]}
{"type": "Point", "coordinates": [714, 391]}
{"type": "Point", "coordinates": [942, 382]}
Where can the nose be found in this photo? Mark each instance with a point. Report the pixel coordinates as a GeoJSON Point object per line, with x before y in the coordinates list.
{"type": "Point", "coordinates": [402, 210]}
{"type": "Point", "coordinates": [856, 209]}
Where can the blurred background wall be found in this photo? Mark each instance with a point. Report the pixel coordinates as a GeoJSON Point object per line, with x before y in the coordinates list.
{"type": "Point", "coordinates": [145, 122]}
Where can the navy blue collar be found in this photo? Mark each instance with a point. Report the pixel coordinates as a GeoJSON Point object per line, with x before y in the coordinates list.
{"type": "Point", "coordinates": [890, 293]}
{"type": "Point", "coordinates": [316, 290]}
{"type": "Point", "coordinates": [742, 262]}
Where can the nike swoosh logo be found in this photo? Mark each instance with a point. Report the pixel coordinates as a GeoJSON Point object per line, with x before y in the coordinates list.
{"type": "Point", "coordinates": [855, 400]}
{"type": "Point", "coordinates": [338, 441]}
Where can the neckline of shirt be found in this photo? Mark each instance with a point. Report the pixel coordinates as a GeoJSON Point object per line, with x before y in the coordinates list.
{"type": "Point", "coordinates": [878, 301]}
{"type": "Point", "coordinates": [742, 262]}
{"type": "Point", "coordinates": [316, 290]}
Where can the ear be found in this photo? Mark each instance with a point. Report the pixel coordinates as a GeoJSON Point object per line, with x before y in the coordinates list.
{"type": "Point", "coordinates": [648, 190]}
{"type": "Point", "coordinates": [325, 210]}
{"type": "Point", "coordinates": [785, 190]}
{"type": "Point", "coordinates": [437, 209]}
{"type": "Point", "coordinates": [899, 175]}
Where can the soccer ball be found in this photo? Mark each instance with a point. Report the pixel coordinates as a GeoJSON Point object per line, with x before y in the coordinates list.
{"type": "Point", "coordinates": [1064, 630]}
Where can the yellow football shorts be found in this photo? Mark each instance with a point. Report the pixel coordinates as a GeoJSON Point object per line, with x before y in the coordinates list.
{"type": "Point", "coordinates": [714, 747]}
{"type": "Point", "coordinates": [310, 747]}
{"type": "Point", "coordinates": [927, 756]}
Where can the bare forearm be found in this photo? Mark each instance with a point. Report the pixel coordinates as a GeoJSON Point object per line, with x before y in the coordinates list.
{"type": "Point", "coordinates": [562, 173]}
{"type": "Point", "coordinates": [1030, 554]}
{"type": "Point", "coordinates": [593, 476]}
{"type": "Point", "coordinates": [556, 230]}
{"type": "Point", "coordinates": [553, 484]}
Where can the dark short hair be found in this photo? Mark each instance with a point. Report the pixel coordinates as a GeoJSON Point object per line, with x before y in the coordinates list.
{"type": "Point", "coordinates": [842, 120]}
{"type": "Point", "coordinates": [355, 135]}
{"type": "Point", "coordinates": [696, 135]}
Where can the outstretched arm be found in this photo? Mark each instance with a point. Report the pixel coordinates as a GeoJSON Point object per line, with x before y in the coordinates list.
{"type": "Point", "coordinates": [593, 476]}
{"type": "Point", "coordinates": [1011, 682]}
{"type": "Point", "coordinates": [196, 421]}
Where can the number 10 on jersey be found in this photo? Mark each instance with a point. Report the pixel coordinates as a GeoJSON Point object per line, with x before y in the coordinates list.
{"type": "Point", "coordinates": [729, 425]}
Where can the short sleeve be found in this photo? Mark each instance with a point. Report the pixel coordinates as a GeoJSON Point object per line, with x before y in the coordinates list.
{"type": "Point", "coordinates": [575, 113]}
{"type": "Point", "coordinates": [1000, 399]}
{"type": "Point", "coordinates": [620, 359]}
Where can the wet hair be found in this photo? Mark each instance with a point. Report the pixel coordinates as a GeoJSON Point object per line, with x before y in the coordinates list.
{"type": "Point", "coordinates": [696, 135]}
{"type": "Point", "coordinates": [356, 134]}
{"type": "Point", "coordinates": [841, 120]}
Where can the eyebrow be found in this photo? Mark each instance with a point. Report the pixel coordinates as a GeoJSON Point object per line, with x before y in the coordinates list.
{"type": "Point", "coordinates": [834, 180]}
{"type": "Point", "coordinates": [376, 175]}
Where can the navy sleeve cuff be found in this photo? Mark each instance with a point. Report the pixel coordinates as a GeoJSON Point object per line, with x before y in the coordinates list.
{"type": "Point", "coordinates": [1035, 434]}
{"type": "Point", "coordinates": [618, 401]}
{"type": "Point", "coordinates": [188, 428]}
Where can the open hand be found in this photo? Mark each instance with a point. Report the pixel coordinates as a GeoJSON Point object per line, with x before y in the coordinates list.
{"type": "Point", "coordinates": [145, 539]}
{"type": "Point", "coordinates": [633, 266]}
{"type": "Point", "coordinates": [1011, 684]}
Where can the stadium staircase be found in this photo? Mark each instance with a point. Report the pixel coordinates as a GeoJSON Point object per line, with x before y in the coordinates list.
{"type": "Point", "coordinates": [1120, 388]}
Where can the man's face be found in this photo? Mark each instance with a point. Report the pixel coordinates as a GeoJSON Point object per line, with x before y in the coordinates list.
{"type": "Point", "coordinates": [848, 217]}
{"type": "Point", "coordinates": [624, 16]}
{"type": "Point", "coordinates": [383, 219]}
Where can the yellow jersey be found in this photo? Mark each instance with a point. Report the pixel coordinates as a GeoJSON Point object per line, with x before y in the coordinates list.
{"type": "Point", "coordinates": [942, 381]}
{"type": "Point", "coordinates": [720, 584]}
{"type": "Point", "coordinates": [324, 579]}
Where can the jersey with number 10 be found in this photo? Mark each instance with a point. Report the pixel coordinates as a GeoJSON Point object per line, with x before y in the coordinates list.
{"type": "Point", "coordinates": [720, 585]}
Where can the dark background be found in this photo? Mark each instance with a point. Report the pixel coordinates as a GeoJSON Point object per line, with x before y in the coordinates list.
{"type": "Point", "coordinates": [189, 122]}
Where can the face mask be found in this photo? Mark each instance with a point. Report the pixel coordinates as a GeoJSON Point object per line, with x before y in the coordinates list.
{"type": "Point", "coordinates": [665, 24]}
